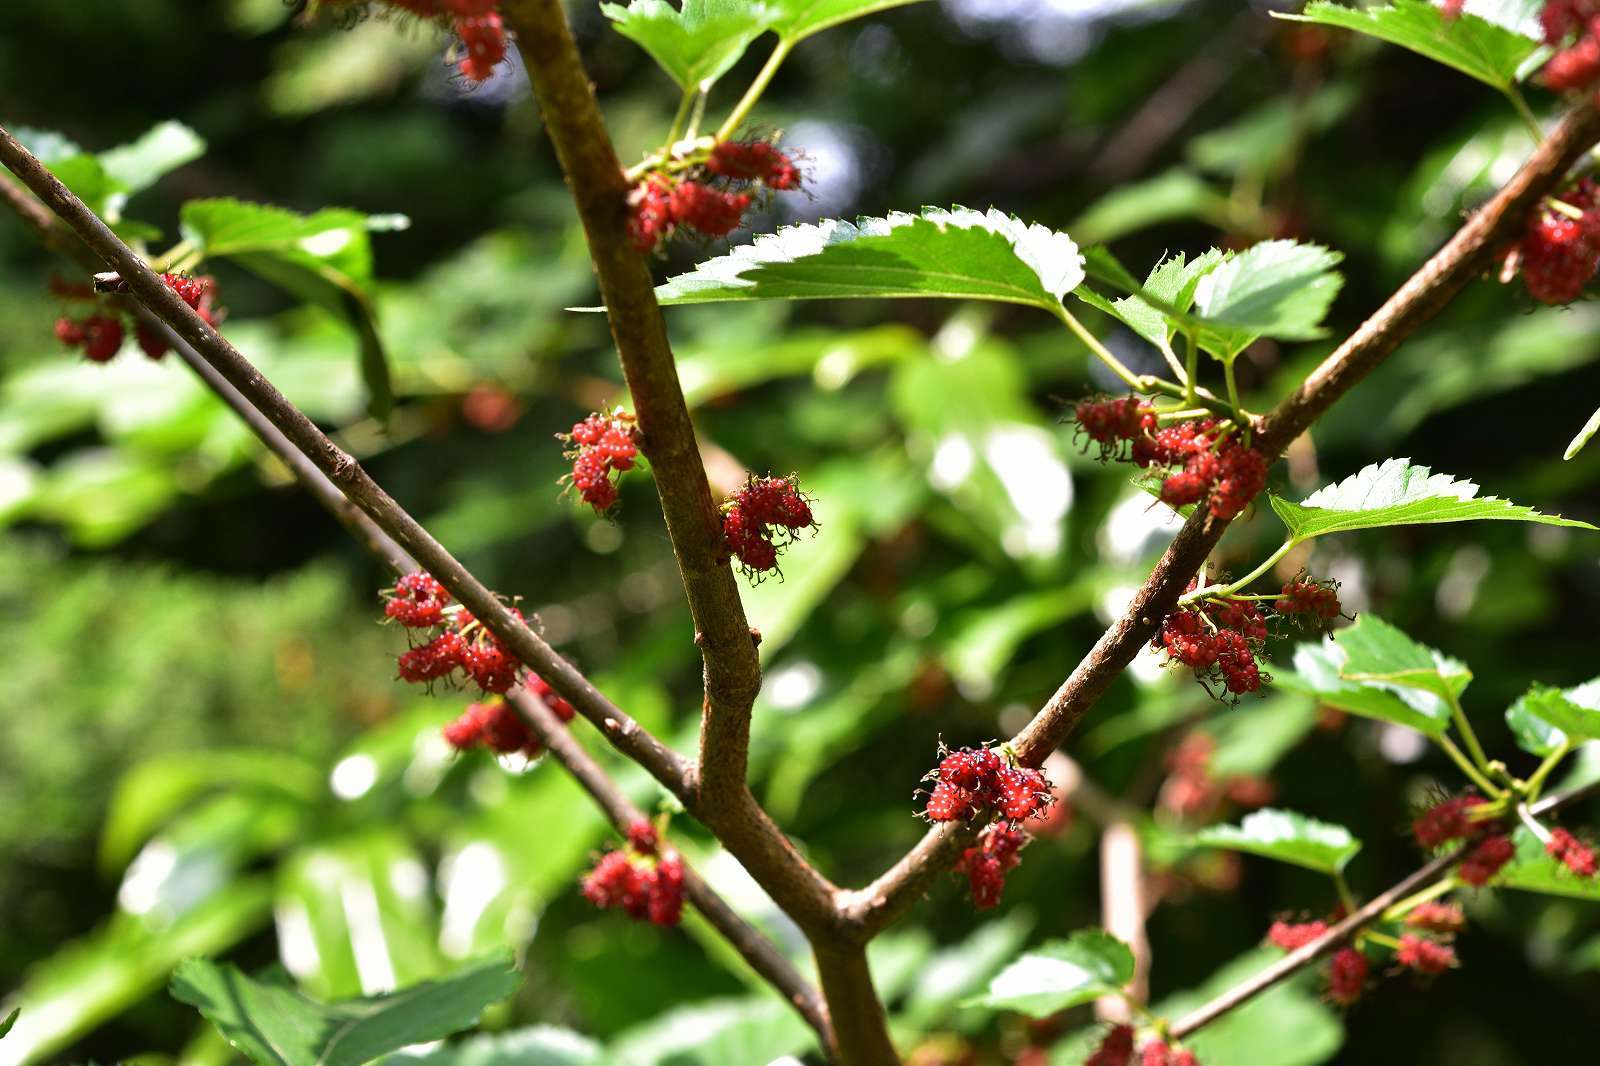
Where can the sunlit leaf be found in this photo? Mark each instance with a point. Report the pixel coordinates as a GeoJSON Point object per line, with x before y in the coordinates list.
{"type": "Point", "coordinates": [1377, 651]}
{"type": "Point", "coordinates": [1397, 493]}
{"type": "Point", "coordinates": [1060, 974]}
{"type": "Point", "coordinates": [697, 44]}
{"type": "Point", "coordinates": [1532, 869]}
{"type": "Point", "coordinates": [1575, 713]}
{"type": "Point", "coordinates": [537, 1045]}
{"type": "Point", "coordinates": [714, 1034]}
{"type": "Point", "coordinates": [1278, 289]}
{"type": "Point", "coordinates": [1590, 428]}
{"type": "Point", "coordinates": [1317, 672]}
{"type": "Point", "coordinates": [1288, 1025]}
{"type": "Point", "coordinates": [798, 19]}
{"type": "Point", "coordinates": [1287, 837]}
{"type": "Point", "coordinates": [957, 253]}
{"type": "Point", "coordinates": [1471, 44]}
{"type": "Point", "coordinates": [278, 1026]}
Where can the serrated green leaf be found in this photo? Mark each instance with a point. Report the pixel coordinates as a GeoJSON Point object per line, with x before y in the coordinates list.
{"type": "Point", "coordinates": [712, 1034]}
{"type": "Point", "coordinates": [1396, 493]}
{"type": "Point", "coordinates": [1169, 288]}
{"type": "Point", "coordinates": [695, 45]}
{"type": "Point", "coordinates": [1061, 974]}
{"type": "Point", "coordinates": [1590, 428]}
{"type": "Point", "coordinates": [799, 19]}
{"type": "Point", "coordinates": [161, 150]}
{"type": "Point", "coordinates": [1317, 672]}
{"type": "Point", "coordinates": [1533, 734]}
{"type": "Point", "coordinates": [1574, 712]}
{"type": "Point", "coordinates": [1532, 869]}
{"type": "Point", "coordinates": [278, 1026]}
{"type": "Point", "coordinates": [1287, 837]}
{"type": "Point", "coordinates": [1278, 289]}
{"type": "Point", "coordinates": [950, 254]}
{"type": "Point", "coordinates": [324, 258]}
{"type": "Point", "coordinates": [1377, 651]}
{"type": "Point", "coordinates": [1469, 43]}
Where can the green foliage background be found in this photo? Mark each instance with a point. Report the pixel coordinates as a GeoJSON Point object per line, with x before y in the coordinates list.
{"type": "Point", "coordinates": [164, 594]}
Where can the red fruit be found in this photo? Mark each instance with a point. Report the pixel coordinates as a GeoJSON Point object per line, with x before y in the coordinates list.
{"type": "Point", "coordinates": [417, 601]}
{"type": "Point", "coordinates": [1424, 956]}
{"type": "Point", "coordinates": [753, 161]}
{"type": "Point", "coordinates": [1451, 9]}
{"type": "Point", "coordinates": [614, 882]}
{"type": "Point", "coordinates": [193, 291]}
{"type": "Point", "coordinates": [947, 803]}
{"type": "Point", "coordinates": [153, 344]}
{"type": "Point", "coordinates": [711, 211]}
{"type": "Point", "coordinates": [1184, 1057]}
{"type": "Point", "coordinates": [102, 337]}
{"type": "Point", "coordinates": [1116, 1049]}
{"type": "Point", "coordinates": [642, 836]}
{"type": "Point", "coordinates": [666, 891]}
{"type": "Point", "coordinates": [1311, 598]}
{"type": "Point", "coordinates": [1574, 68]}
{"type": "Point", "coordinates": [502, 729]}
{"type": "Point", "coordinates": [1243, 476]}
{"type": "Point", "coordinates": [1485, 860]}
{"type": "Point", "coordinates": [650, 214]}
{"type": "Point", "coordinates": [987, 863]}
{"type": "Point", "coordinates": [539, 687]}
{"type": "Point", "coordinates": [1155, 1053]}
{"type": "Point", "coordinates": [69, 332]}
{"type": "Point", "coordinates": [465, 732]}
{"type": "Point", "coordinates": [1024, 793]}
{"type": "Point", "coordinates": [1437, 918]}
{"type": "Point", "coordinates": [1291, 937]}
{"type": "Point", "coordinates": [590, 430]}
{"type": "Point", "coordinates": [1347, 976]}
{"type": "Point", "coordinates": [1574, 853]}
{"type": "Point", "coordinates": [490, 665]}
{"type": "Point", "coordinates": [1444, 822]}
{"type": "Point", "coordinates": [1183, 488]}
{"type": "Point", "coordinates": [617, 448]}
{"type": "Point", "coordinates": [1560, 254]}
{"type": "Point", "coordinates": [484, 38]}
{"type": "Point", "coordinates": [470, 7]}
{"type": "Point", "coordinates": [759, 555]}
{"type": "Point", "coordinates": [1187, 640]}
{"type": "Point", "coordinates": [1109, 422]}
{"type": "Point", "coordinates": [1243, 617]}
{"type": "Point", "coordinates": [1237, 663]}
{"type": "Point", "coordinates": [433, 660]}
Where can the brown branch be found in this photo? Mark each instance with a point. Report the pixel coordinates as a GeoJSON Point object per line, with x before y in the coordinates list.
{"type": "Point", "coordinates": [1427, 291]}
{"type": "Point", "coordinates": [860, 1029]}
{"type": "Point", "coordinates": [754, 948]}
{"type": "Point", "coordinates": [1302, 957]}
{"type": "Point", "coordinates": [583, 147]}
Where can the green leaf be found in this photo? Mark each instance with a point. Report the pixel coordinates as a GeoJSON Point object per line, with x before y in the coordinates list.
{"type": "Point", "coordinates": [1532, 869]}
{"type": "Point", "coordinates": [698, 44]}
{"type": "Point", "coordinates": [1287, 837]}
{"type": "Point", "coordinates": [1278, 289]}
{"type": "Point", "coordinates": [1590, 428]}
{"type": "Point", "coordinates": [715, 1033]}
{"type": "Point", "coordinates": [798, 19]}
{"type": "Point", "coordinates": [1288, 1025]}
{"type": "Point", "coordinates": [1171, 285]}
{"type": "Point", "coordinates": [1318, 672]}
{"type": "Point", "coordinates": [1060, 974]}
{"type": "Point", "coordinates": [1575, 712]}
{"type": "Point", "coordinates": [956, 254]}
{"type": "Point", "coordinates": [1167, 197]}
{"type": "Point", "coordinates": [161, 150]}
{"type": "Point", "coordinates": [962, 969]}
{"type": "Point", "coordinates": [1397, 493]}
{"type": "Point", "coordinates": [324, 258]}
{"type": "Point", "coordinates": [1377, 651]}
{"type": "Point", "coordinates": [278, 1026]}
{"type": "Point", "coordinates": [11, 1019]}
{"type": "Point", "coordinates": [1532, 733]}
{"type": "Point", "coordinates": [537, 1045]}
{"type": "Point", "coordinates": [1471, 44]}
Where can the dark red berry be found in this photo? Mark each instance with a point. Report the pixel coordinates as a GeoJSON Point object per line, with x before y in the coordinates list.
{"type": "Point", "coordinates": [1572, 852]}
{"type": "Point", "coordinates": [484, 38]}
{"type": "Point", "coordinates": [1437, 918]}
{"type": "Point", "coordinates": [1445, 821]}
{"type": "Point", "coordinates": [987, 863]}
{"type": "Point", "coordinates": [102, 337]}
{"type": "Point", "coordinates": [1116, 1048]}
{"type": "Point", "coordinates": [417, 600]}
{"type": "Point", "coordinates": [1347, 976]}
{"type": "Point", "coordinates": [642, 836]}
{"type": "Point", "coordinates": [947, 803]}
{"type": "Point", "coordinates": [433, 660]}
{"type": "Point", "coordinates": [1424, 956]}
{"type": "Point", "coordinates": [711, 211]}
{"type": "Point", "coordinates": [650, 214]}
{"type": "Point", "coordinates": [1485, 860]}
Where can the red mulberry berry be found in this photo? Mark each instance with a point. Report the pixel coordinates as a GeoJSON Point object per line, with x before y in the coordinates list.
{"type": "Point", "coordinates": [539, 687]}
{"type": "Point", "coordinates": [960, 768]}
{"type": "Point", "coordinates": [987, 863]}
{"type": "Point", "coordinates": [490, 665]}
{"type": "Point", "coordinates": [465, 732]}
{"type": "Point", "coordinates": [666, 892]}
{"type": "Point", "coordinates": [642, 836]}
{"type": "Point", "coordinates": [417, 601]}
{"type": "Point", "coordinates": [650, 215]}
{"type": "Point", "coordinates": [947, 803]}
{"type": "Point", "coordinates": [1347, 976]}
{"type": "Point", "coordinates": [102, 337]}
{"type": "Point", "coordinates": [1485, 860]}
{"type": "Point", "coordinates": [69, 332]}
{"type": "Point", "coordinates": [1243, 617]}
{"type": "Point", "coordinates": [1574, 853]}
{"type": "Point", "coordinates": [484, 38]}
{"type": "Point", "coordinates": [1023, 793]}
{"type": "Point", "coordinates": [1183, 488]}
{"type": "Point", "coordinates": [1437, 918]}
{"type": "Point", "coordinates": [1243, 476]}
{"type": "Point", "coordinates": [1444, 821]}
{"type": "Point", "coordinates": [711, 211]}
{"type": "Point", "coordinates": [1424, 956]}
{"type": "Point", "coordinates": [1187, 640]}
{"type": "Point", "coordinates": [433, 660]}
{"type": "Point", "coordinates": [1560, 254]}
{"type": "Point", "coordinates": [614, 882]}
{"type": "Point", "coordinates": [754, 161]}
{"type": "Point", "coordinates": [1292, 937]}
{"type": "Point", "coordinates": [1116, 1049]}
{"type": "Point", "coordinates": [1237, 663]}
{"type": "Point", "coordinates": [152, 343]}
{"type": "Point", "coordinates": [1311, 598]}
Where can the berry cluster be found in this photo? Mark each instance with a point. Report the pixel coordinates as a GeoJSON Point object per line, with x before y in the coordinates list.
{"type": "Point", "coordinates": [762, 518]}
{"type": "Point", "coordinates": [1486, 859]}
{"type": "Point", "coordinates": [1559, 253]}
{"type": "Point", "coordinates": [1450, 820]}
{"type": "Point", "coordinates": [478, 25]}
{"type": "Point", "coordinates": [495, 724]}
{"type": "Point", "coordinates": [1425, 956]}
{"type": "Point", "coordinates": [102, 333]}
{"type": "Point", "coordinates": [987, 863]}
{"type": "Point", "coordinates": [1312, 600]}
{"type": "Point", "coordinates": [417, 601]}
{"type": "Point", "coordinates": [599, 446]}
{"type": "Point", "coordinates": [1160, 1053]}
{"type": "Point", "coordinates": [1217, 643]}
{"type": "Point", "coordinates": [1434, 917]}
{"type": "Point", "coordinates": [1203, 459]}
{"type": "Point", "coordinates": [1116, 1049]}
{"type": "Point", "coordinates": [643, 879]}
{"type": "Point", "coordinates": [1572, 27]}
{"type": "Point", "coordinates": [1571, 852]}
{"type": "Point", "coordinates": [704, 198]}
{"type": "Point", "coordinates": [1347, 970]}
{"type": "Point", "coordinates": [981, 781]}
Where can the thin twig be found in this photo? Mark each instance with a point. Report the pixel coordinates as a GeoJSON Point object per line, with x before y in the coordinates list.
{"type": "Point", "coordinates": [1422, 296]}
{"type": "Point", "coordinates": [755, 949]}
{"type": "Point", "coordinates": [1300, 958]}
